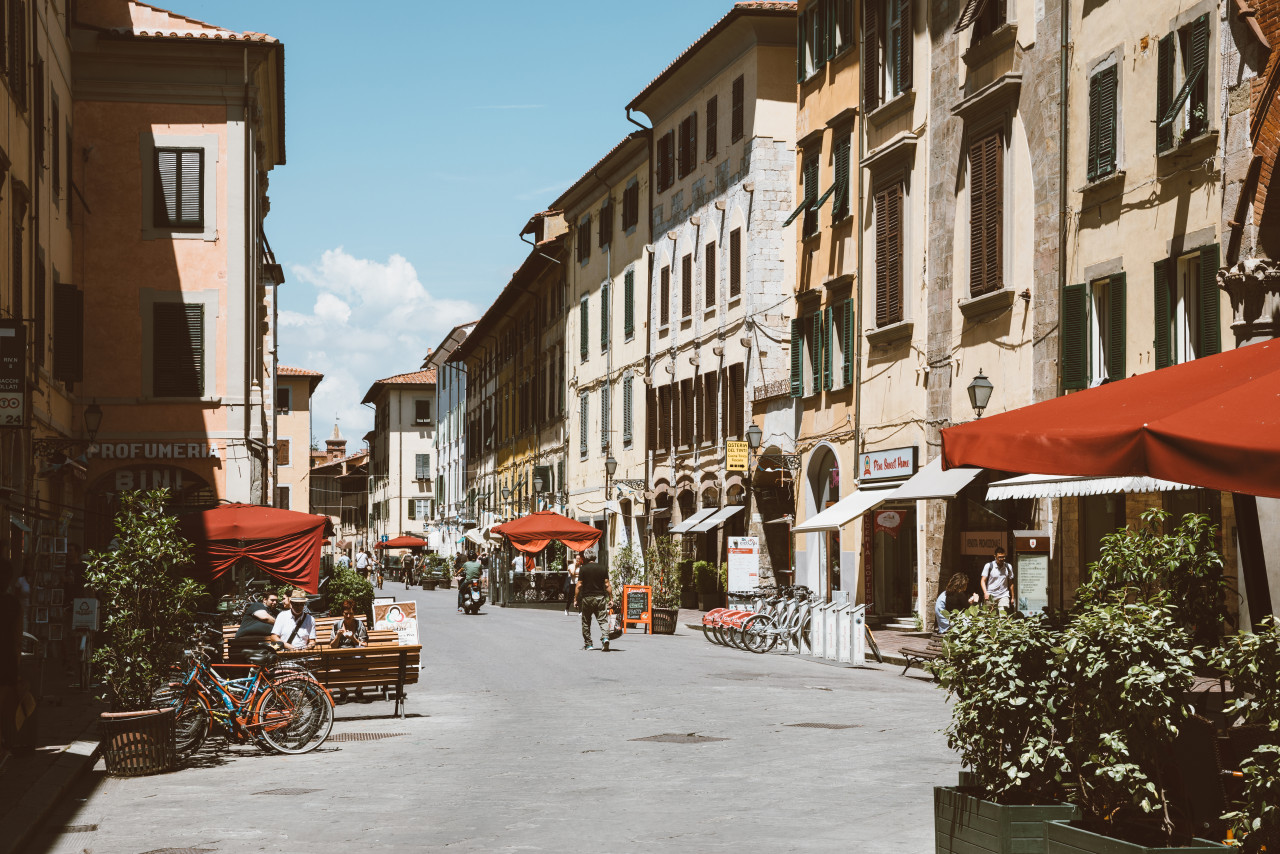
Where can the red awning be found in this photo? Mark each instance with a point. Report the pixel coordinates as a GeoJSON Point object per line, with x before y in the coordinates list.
{"type": "Point", "coordinates": [1212, 422]}
{"type": "Point", "coordinates": [282, 543]}
{"type": "Point", "coordinates": [402, 543]}
{"type": "Point", "coordinates": [534, 532]}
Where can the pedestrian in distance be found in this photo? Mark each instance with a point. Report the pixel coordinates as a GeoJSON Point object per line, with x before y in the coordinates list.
{"type": "Point", "coordinates": [362, 564]}
{"type": "Point", "coordinates": [571, 582]}
{"type": "Point", "coordinates": [998, 582]}
{"type": "Point", "coordinates": [471, 573]}
{"type": "Point", "coordinates": [593, 594]}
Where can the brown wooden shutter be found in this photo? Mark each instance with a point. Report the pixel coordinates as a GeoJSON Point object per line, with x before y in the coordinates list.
{"type": "Point", "coordinates": [664, 296]}
{"type": "Point", "coordinates": [710, 408]}
{"type": "Point", "coordinates": [713, 121]}
{"type": "Point", "coordinates": [177, 349]}
{"type": "Point", "coordinates": [986, 215]}
{"type": "Point", "coordinates": [738, 117]}
{"type": "Point", "coordinates": [700, 412]}
{"type": "Point", "coordinates": [727, 406]}
{"type": "Point", "coordinates": [871, 54]}
{"type": "Point", "coordinates": [904, 80]}
{"type": "Point", "coordinates": [889, 255]}
{"type": "Point", "coordinates": [651, 419]}
{"type": "Point", "coordinates": [282, 452]}
{"type": "Point", "coordinates": [737, 377]}
{"type": "Point", "coordinates": [735, 262]}
{"type": "Point", "coordinates": [686, 412]}
{"type": "Point", "coordinates": [68, 333]}
{"type": "Point", "coordinates": [709, 273]}
{"type": "Point", "coordinates": [686, 285]}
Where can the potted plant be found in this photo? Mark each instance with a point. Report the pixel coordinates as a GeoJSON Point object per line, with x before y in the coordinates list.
{"type": "Point", "coordinates": [662, 561]}
{"type": "Point", "coordinates": [626, 567]}
{"type": "Point", "coordinates": [347, 583]}
{"type": "Point", "coordinates": [148, 607]}
{"type": "Point", "coordinates": [443, 571]}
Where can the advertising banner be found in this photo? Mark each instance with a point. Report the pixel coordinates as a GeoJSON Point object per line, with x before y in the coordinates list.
{"type": "Point", "coordinates": [13, 369]}
{"type": "Point", "coordinates": [401, 617]}
{"type": "Point", "coordinates": [744, 563]}
{"type": "Point", "coordinates": [735, 456]}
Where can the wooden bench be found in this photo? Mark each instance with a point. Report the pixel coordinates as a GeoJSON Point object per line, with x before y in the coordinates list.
{"type": "Point", "coordinates": [231, 648]}
{"type": "Point", "coordinates": [921, 655]}
{"type": "Point", "coordinates": [380, 666]}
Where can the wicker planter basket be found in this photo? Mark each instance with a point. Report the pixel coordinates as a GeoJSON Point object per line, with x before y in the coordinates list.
{"type": "Point", "coordinates": [664, 621]}
{"type": "Point", "coordinates": [138, 743]}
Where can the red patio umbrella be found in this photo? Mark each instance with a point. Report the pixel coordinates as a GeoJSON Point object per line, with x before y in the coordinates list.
{"type": "Point", "coordinates": [1212, 422]}
{"type": "Point", "coordinates": [534, 532]}
{"type": "Point", "coordinates": [402, 543]}
{"type": "Point", "coordinates": [284, 544]}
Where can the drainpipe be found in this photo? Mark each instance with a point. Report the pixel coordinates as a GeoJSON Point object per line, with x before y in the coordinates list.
{"type": "Point", "coordinates": [648, 340]}
{"type": "Point", "coordinates": [250, 292]}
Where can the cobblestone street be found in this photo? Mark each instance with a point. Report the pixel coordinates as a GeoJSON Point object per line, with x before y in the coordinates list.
{"type": "Point", "coordinates": [517, 739]}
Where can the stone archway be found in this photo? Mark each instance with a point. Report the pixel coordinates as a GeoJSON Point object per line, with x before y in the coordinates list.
{"type": "Point", "coordinates": [822, 553]}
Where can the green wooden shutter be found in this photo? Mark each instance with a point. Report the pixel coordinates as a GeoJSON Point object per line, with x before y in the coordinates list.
{"type": "Point", "coordinates": [1075, 331]}
{"type": "Point", "coordinates": [1161, 343]}
{"type": "Point", "coordinates": [870, 54]}
{"type": "Point", "coordinates": [1210, 321]}
{"type": "Point", "coordinates": [629, 303]}
{"type": "Point", "coordinates": [1102, 123]}
{"type": "Point", "coordinates": [1199, 49]}
{"type": "Point", "coordinates": [583, 330]}
{"type": "Point", "coordinates": [604, 317]}
{"type": "Point", "coordinates": [827, 325]}
{"type": "Point", "coordinates": [840, 207]}
{"type": "Point", "coordinates": [626, 409]}
{"type": "Point", "coordinates": [1095, 125]}
{"type": "Point", "coordinates": [797, 358]}
{"type": "Point", "coordinates": [1164, 91]}
{"type": "Point", "coordinates": [848, 342]}
{"type": "Point", "coordinates": [1117, 331]}
{"type": "Point", "coordinates": [815, 353]}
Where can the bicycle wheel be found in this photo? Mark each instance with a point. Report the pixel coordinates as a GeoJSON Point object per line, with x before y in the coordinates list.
{"type": "Point", "coordinates": [759, 634]}
{"type": "Point", "coordinates": [293, 717]}
{"type": "Point", "coordinates": [193, 719]}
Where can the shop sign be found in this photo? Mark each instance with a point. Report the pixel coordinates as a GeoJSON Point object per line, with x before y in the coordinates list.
{"type": "Point", "coordinates": [735, 456]}
{"type": "Point", "coordinates": [84, 615]}
{"type": "Point", "coordinates": [13, 368]}
{"type": "Point", "coordinates": [637, 607]}
{"type": "Point", "coordinates": [983, 543]}
{"type": "Point", "coordinates": [744, 563]}
{"type": "Point", "coordinates": [894, 463]}
{"type": "Point", "coordinates": [401, 617]}
{"type": "Point", "coordinates": [154, 451]}
{"type": "Point", "coordinates": [889, 521]}
{"type": "Point", "coordinates": [169, 477]}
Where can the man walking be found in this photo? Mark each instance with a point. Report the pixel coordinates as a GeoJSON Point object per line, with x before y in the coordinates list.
{"type": "Point", "coordinates": [362, 563]}
{"type": "Point", "coordinates": [997, 582]}
{"type": "Point", "coordinates": [592, 595]}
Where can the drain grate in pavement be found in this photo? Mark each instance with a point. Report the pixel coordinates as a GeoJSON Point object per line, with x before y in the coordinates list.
{"type": "Point", "coordinates": [362, 736]}
{"type": "Point", "coordinates": [826, 726]}
{"type": "Point", "coordinates": [181, 851]}
{"type": "Point", "coordinates": [680, 738]}
{"type": "Point", "coordinates": [285, 791]}
{"type": "Point", "coordinates": [79, 828]}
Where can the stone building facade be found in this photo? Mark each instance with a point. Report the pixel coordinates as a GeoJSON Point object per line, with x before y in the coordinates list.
{"type": "Point", "coordinates": [451, 515]}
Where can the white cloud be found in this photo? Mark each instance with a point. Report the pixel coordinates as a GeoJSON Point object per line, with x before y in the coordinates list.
{"type": "Point", "coordinates": [368, 320]}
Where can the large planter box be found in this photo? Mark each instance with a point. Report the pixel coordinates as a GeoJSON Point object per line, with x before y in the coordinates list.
{"type": "Point", "coordinates": [965, 824]}
{"type": "Point", "coordinates": [1065, 838]}
{"type": "Point", "coordinates": [139, 743]}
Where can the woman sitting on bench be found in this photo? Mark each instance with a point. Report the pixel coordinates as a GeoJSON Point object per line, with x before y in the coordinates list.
{"type": "Point", "coordinates": [348, 632]}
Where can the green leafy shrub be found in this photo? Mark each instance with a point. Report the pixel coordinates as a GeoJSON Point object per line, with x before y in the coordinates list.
{"type": "Point", "coordinates": [147, 601]}
{"type": "Point", "coordinates": [663, 572]}
{"type": "Point", "coordinates": [347, 584]}
{"type": "Point", "coordinates": [627, 567]}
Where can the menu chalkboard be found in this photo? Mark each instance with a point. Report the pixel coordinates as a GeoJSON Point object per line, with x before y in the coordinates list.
{"type": "Point", "coordinates": [637, 609]}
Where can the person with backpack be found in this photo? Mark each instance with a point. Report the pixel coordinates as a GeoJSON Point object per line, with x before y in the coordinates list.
{"type": "Point", "coordinates": [295, 628]}
{"type": "Point", "coordinates": [998, 584]}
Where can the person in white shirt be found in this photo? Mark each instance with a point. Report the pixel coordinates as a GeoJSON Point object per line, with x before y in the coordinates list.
{"type": "Point", "coordinates": [362, 563]}
{"type": "Point", "coordinates": [295, 628]}
{"type": "Point", "coordinates": [997, 582]}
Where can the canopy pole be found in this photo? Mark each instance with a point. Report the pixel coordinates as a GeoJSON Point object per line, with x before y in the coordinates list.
{"type": "Point", "coordinates": [1252, 561]}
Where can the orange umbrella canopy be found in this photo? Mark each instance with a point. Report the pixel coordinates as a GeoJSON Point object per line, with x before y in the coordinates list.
{"type": "Point", "coordinates": [402, 543]}
{"type": "Point", "coordinates": [534, 532]}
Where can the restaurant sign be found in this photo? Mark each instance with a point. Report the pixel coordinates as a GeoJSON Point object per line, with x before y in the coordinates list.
{"type": "Point", "coordinates": [895, 463]}
{"type": "Point", "coordinates": [735, 456]}
{"type": "Point", "coordinates": [983, 542]}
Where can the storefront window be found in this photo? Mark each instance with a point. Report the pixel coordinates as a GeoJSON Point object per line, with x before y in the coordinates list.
{"type": "Point", "coordinates": [1100, 515]}
{"type": "Point", "coordinates": [894, 550]}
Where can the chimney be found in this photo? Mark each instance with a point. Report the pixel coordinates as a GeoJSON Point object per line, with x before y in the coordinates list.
{"type": "Point", "coordinates": [335, 447]}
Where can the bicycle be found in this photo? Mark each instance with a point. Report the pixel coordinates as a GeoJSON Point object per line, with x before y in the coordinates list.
{"type": "Point", "coordinates": [287, 711]}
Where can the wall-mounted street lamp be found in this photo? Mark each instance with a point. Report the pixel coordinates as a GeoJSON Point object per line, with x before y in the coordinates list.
{"type": "Point", "coordinates": [980, 392]}
{"type": "Point", "coordinates": [51, 448]}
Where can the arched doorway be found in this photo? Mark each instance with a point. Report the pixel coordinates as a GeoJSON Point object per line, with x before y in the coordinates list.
{"type": "Point", "coordinates": [188, 492]}
{"type": "Point", "coordinates": [824, 546]}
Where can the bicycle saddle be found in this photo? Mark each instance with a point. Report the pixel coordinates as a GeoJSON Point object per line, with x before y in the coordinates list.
{"type": "Point", "coordinates": [262, 658]}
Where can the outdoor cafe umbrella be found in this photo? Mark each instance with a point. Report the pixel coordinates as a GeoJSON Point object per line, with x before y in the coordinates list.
{"type": "Point", "coordinates": [284, 544]}
{"type": "Point", "coordinates": [1212, 422]}
{"type": "Point", "coordinates": [405, 542]}
{"type": "Point", "coordinates": [534, 532]}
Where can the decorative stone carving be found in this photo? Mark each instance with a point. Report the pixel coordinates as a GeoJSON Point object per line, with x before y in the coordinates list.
{"type": "Point", "coordinates": [1254, 288]}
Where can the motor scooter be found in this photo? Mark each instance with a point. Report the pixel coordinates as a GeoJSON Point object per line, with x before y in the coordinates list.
{"type": "Point", "coordinates": [472, 597]}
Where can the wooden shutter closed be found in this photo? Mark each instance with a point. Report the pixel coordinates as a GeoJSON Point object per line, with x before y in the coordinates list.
{"type": "Point", "coordinates": [604, 414]}
{"type": "Point", "coordinates": [1210, 321]}
{"type": "Point", "coordinates": [1165, 58]}
{"type": "Point", "coordinates": [1102, 123]}
{"type": "Point", "coordinates": [664, 295]}
{"type": "Point", "coordinates": [584, 411]}
{"type": "Point", "coordinates": [626, 410]}
{"type": "Point", "coordinates": [727, 405]}
{"type": "Point", "coordinates": [1117, 332]}
{"type": "Point", "coordinates": [713, 120]}
{"type": "Point", "coordinates": [815, 353]}
{"type": "Point", "coordinates": [810, 223]}
{"type": "Point", "coordinates": [686, 412]}
{"type": "Point", "coordinates": [871, 39]}
{"type": "Point", "coordinates": [903, 81]}
{"type": "Point", "coordinates": [797, 358]}
{"type": "Point", "coordinates": [986, 215]}
{"type": "Point", "coordinates": [282, 452]}
{"type": "Point", "coordinates": [737, 124]}
{"type": "Point", "coordinates": [800, 34]}
{"type": "Point", "coordinates": [1161, 344]}
{"type": "Point", "coordinates": [629, 303]}
{"type": "Point", "coordinates": [735, 262]}
{"type": "Point", "coordinates": [1075, 331]}
{"type": "Point", "coordinates": [651, 419]}
{"type": "Point", "coordinates": [604, 316]}
{"type": "Point", "coordinates": [737, 379]}
{"type": "Point", "coordinates": [840, 204]}
{"type": "Point", "coordinates": [826, 348]}
{"type": "Point", "coordinates": [177, 350]}
{"type": "Point", "coordinates": [68, 333]}
{"type": "Point", "coordinates": [582, 329]}
{"type": "Point", "coordinates": [709, 274]}
{"type": "Point", "coordinates": [848, 343]}
{"type": "Point", "coordinates": [699, 412]}
{"type": "Point", "coordinates": [686, 285]}
{"type": "Point", "coordinates": [889, 255]}
{"type": "Point", "coordinates": [710, 409]}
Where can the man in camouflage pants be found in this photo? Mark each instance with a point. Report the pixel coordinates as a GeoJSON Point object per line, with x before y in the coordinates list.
{"type": "Point", "coordinates": [592, 596]}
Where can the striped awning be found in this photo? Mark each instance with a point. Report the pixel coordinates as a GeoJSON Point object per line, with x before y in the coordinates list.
{"type": "Point", "coordinates": [1065, 486]}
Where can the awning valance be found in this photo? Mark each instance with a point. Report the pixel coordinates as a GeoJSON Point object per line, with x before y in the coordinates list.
{"type": "Point", "coordinates": [1063, 486]}
{"type": "Point", "coordinates": [844, 511]}
{"type": "Point", "coordinates": [932, 482]}
{"type": "Point", "coordinates": [686, 524]}
{"type": "Point", "coordinates": [716, 518]}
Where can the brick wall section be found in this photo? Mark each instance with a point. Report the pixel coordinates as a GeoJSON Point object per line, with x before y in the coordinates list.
{"type": "Point", "coordinates": [1264, 94]}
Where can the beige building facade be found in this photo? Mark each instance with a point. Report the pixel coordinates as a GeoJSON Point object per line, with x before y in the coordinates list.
{"type": "Point", "coordinates": [401, 450]}
{"type": "Point", "coordinates": [293, 390]}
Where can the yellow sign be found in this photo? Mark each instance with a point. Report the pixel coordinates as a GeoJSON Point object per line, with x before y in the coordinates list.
{"type": "Point", "coordinates": [735, 456]}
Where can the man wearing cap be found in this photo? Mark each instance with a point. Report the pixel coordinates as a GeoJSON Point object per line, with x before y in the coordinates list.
{"type": "Point", "coordinates": [592, 595]}
{"type": "Point", "coordinates": [295, 628]}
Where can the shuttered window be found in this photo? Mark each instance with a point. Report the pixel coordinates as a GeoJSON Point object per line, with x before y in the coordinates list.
{"type": "Point", "coordinates": [1102, 123]}
{"type": "Point", "coordinates": [177, 357]}
{"type": "Point", "coordinates": [17, 65]}
{"type": "Point", "coordinates": [651, 419]}
{"type": "Point", "coordinates": [699, 412]}
{"type": "Point", "coordinates": [664, 296]}
{"type": "Point", "coordinates": [604, 415]}
{"type": "Point", "coordinates": [631, 206]}
{"type": "Point", "coordinates": [737, 118]}
{"type": "Point", "coordinates": [713, 122]}
{"type": "Point", "coordinates": [37, 109]}
{"type": "Point", "coordinates": [840, 204]}
{"type": "Point", "coordinates": [55, 155]}
{"type": "Point", "coordinates": [1185, 113]}
{"type": "Point", "coordinates": [986, 215]}
{"type": "Point", "coordinates": [605, 230]}
{"type": "Point", "coordinates": [686, 412]}
{"type": "Point", "coordinates": [179, 199]}
{"type": "Point", "coordinates": [797, 358]}
{"type": "Point", "coordinates": [584, 239]}
{"type": "Point", "coordinates": [584, 408]}
{"type": "Point", "coordinates": [737, 400]}
{"type": "Point", "coordinates": [1093, 332]}
{"type": "Point", "coordinates": [282, 452]}
{"type": "Point", "coordinates": [815, 352]}
{"type": "Point", "coordinates": [1116, 337]}
{"type": "Point", "coordinates": [735, 262]}
{"type": "Point", "coordinates": [888, 203]}
{"type": "Point", "coordinates": [626, 409]}
{"type": "Point", "coordinates": [871, 39]}
{"type": "Point", "coordinates": [688, 145]}
{"type": "Point", "coordinates": [1187, 314]}
{"type": "Point", "coordinates": [826, 315]}
{"type": "Point", "coordinates": [665, 421]}
{"type": "Point", "coordinates": [686, 285]}
{"type": "Point", "coordinates": [709, 274]}
{"type": "Point", "coordinates": [1210, 332]}
{"type": "Point", "coordinates": [583, 329]}
{"type": "Point", "coordinates": [629, 304]}
{"type": "Point", "coordinates": [899, 38]}
{"type": "Point", "coordinates": [810, 226]}
{"type": "Point", "coordinates": [847, 349]}
{"type": "Point", "coordinates": [604, 316]}
{"type": "Point", "coordinates": [1165, 58]}
{"type": "Point", "coordinates": [710, 407]}
{"type": "Point", "coordinates": [1075, 331]}
{"type": "Point", "coordinates": [665, 167]}
{"type": "Point", "coordinates": [68, 333]}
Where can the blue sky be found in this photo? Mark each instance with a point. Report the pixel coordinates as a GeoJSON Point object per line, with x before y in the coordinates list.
{"type": "Point", "coordinates": [420, 137]}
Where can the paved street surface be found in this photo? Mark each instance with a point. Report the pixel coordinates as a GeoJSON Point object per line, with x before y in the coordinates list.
{"type": "Point", "coordinates": [516, 739]}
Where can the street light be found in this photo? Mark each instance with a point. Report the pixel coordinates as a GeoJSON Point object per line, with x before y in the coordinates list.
{"type": "Point", "coordinates": [980, 392]}
{"type": "Point", "coordinates": [92, 421]}
{"type": "Point", "coordinates": [754, 435]}
{"type": "Point", "coordinates": [610, 465]}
